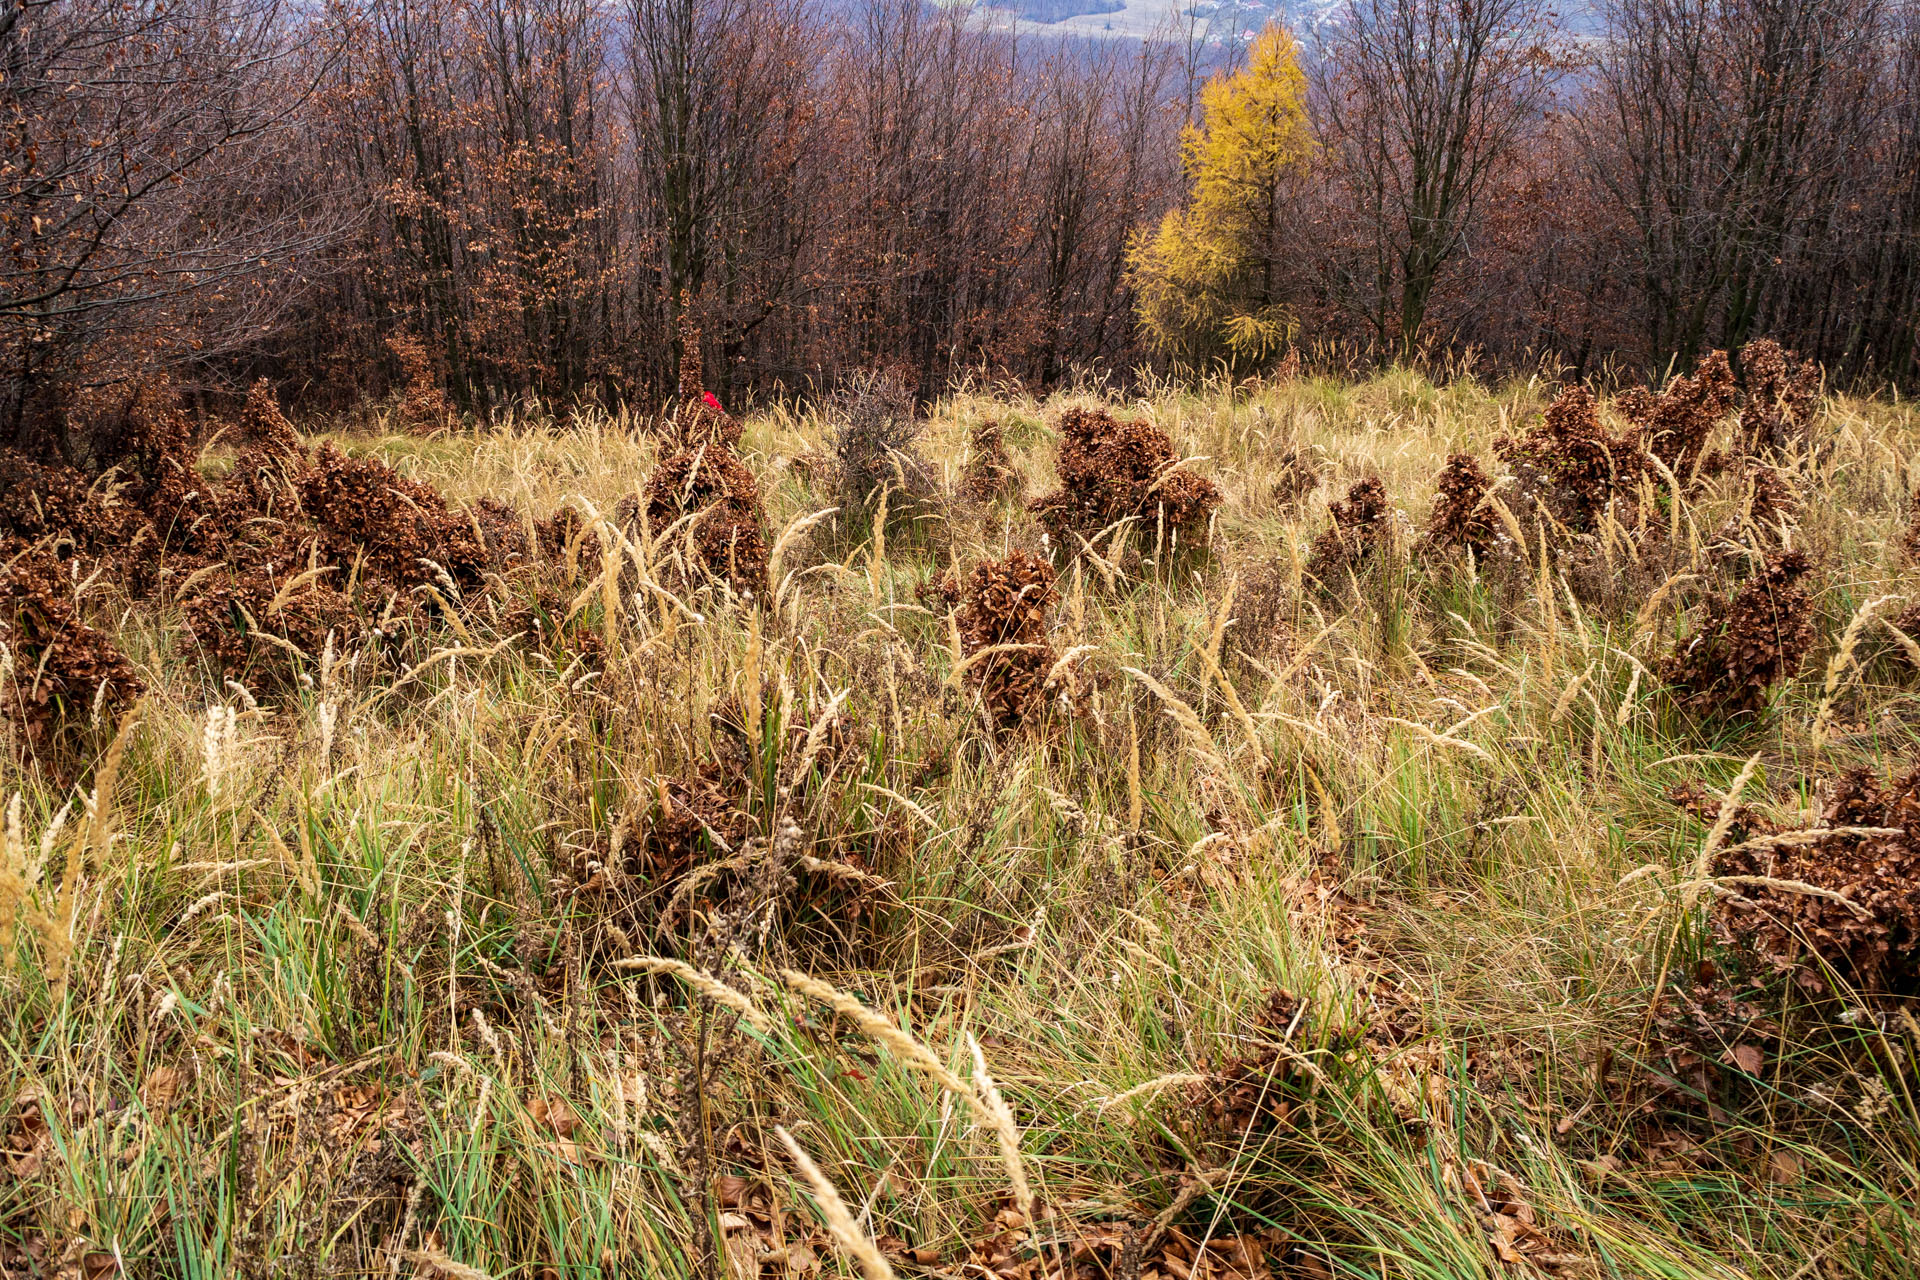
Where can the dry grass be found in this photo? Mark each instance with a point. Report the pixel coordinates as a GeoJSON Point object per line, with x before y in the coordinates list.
{"type": "Point", "coordinates": [1364, 942]}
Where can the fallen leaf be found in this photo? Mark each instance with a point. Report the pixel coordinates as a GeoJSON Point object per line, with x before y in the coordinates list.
{"type": "Point", "coordinates": [1784, 1168]}
{"type": "Point", "coordinates": [162, 1088]}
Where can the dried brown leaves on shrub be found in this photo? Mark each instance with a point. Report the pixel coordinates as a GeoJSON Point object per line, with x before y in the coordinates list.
{"type": "Point", "coordinates": [262, 426]}
{"type": "Point", "coordinates": [423, 404]}
{"type": "Point", "coordinates": [1003, 634]}
{"type": "Point", "coordinates": [62, 669]}
{"type": "Point", "coordinates": [1746, 644]}
{"type": "Point", "coordinates": [1843, 904]}
{"type": "Point", "coordinates": [990, 473]}
{"type": "Point", "coordinates": [400, 529]}
{"type": "Point", "coordinates": [1462, 517]}
{"type": "Point", "coordinates": [1362, 522]}
{"type": "Point", "coordinates": [1769, 504]}
{"type": "Point", "coordinates": [1570, 464]}
{"type": "Point", "coordinates": [697, 417]}
{"type": "Point", "coordinates": [713, 490]}
{"type": "Point", "coordinates": [1112, 470]}
{"type": "Point", "coordinates": [1782, 392]}
{"type": "Point", "coordinates": [1677, 423]}
{"type": "Point", "coordinates": [251, 623]}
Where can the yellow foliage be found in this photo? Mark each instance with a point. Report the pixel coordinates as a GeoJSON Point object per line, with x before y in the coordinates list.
{"type": "Point", "coordinates": [1205, 275]}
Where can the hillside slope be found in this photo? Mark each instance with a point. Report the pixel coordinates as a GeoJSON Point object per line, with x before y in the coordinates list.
{"type": "Point", "coordinates": [1327, 889]}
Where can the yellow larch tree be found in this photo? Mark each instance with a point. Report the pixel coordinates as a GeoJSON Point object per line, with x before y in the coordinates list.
{"type": "Point", "coordinates": [1205, 278]}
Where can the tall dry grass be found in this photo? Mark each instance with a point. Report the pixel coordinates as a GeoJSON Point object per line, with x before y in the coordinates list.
{"type": "Point", "coordinates": [360, 979]}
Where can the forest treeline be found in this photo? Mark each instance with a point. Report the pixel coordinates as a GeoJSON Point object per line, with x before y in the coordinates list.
{"type": "Point", "coordinates": [537, 197]}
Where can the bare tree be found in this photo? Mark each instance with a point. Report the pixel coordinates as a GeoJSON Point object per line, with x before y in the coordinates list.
{"type": "Point", "coordinates": [146, 211]}
{"type": "Point", "coordinates": [1725, 129]}
{"type": "Point", "coordinates": [718, 97]}
{"type": "Point", "coordinates": [1420, 103]}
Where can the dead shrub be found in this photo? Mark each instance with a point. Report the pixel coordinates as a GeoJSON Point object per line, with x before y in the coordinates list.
{"type": "Point", "coordinates": [565, 539]}
{"type": "Point", "coordinates": [697, 416]}
{"type": "Point", "coordinates": [990, 473]}
{"type": "Point", "coordinates": [1746, 644]}
{"type": "Point", "coordinates": [1111, 471]}
{"type": "Point", "coordinates": [1570, 465]}
{"type": "Point", "coordinates": [423, 404]}
{"type": "Point", "coordinates": [694, 816]}
{"type": "Point", "coordinates": [1862, 923]}
{"type": "Point", "coordinates": [1910, 540]}
{"type": "Point", "coordinates": [545, 625]}
{"type": "Point", "coordinates": [54, 502]}
{"type": "Point", "coordinates": [1296, 474]}
{"type": "Point", "coordinates": [1003, 635]}
{"type": "Point", "coordinates": [874, 430]}
{"type": "Point", "coordinates": [1677, 423]}
{"type": "Point", "coordinates": [1769, 504]}
{"type": "Point", "coordinates": [1782, 392]}
{"type": "Point", "coordinates": [399, 529]}
{"type": "Point", "coordinates": [261, 486]}
{"type": "Point", "coordinates": [1362, 522]}
{"type": "Point", "coordinates": [249, 630]}
{"type": "Point", "coordinates": [715, 492]}
{"type": "Point", "coordinates": [1462, 519]}
{"type": "Point", "coordinates": [63, 674]}
{"type": "Point", "coordinates": [262, 426]}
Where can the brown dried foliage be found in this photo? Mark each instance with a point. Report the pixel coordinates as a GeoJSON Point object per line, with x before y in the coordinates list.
{"type": "Point", "coordinates": [697, 420]}
{"type": "Point", "coordinates": [399, 529]}
{"type": "Point", "coordinates": [1361, 523]}
{"type": "Point", "coordinates": [989, 472]}
{"type": "Point", "coordinates": [713, 487]}
{"type": "Point", "coordinates": [1747, 643]}
{"type": "Point", "coordinates": [1769, 503]}
{"type": "Point", "coordinates": [63, 669]}
{"type": "Point", "coordinates": [243, 625]}
{"type": "Point", "coordinates": [1782, 393]}
{"type": "Point", "coordinates": [262, 426]}
{"type": "Point", "coordinates": [423, 403]}
{"type": "Point", "coordinates": [1677, 423]}
{"type": "Point", "coordinates": [1872, 944]}
{"type": "Point", "coordinates": [1111, 470]}
{"type": "Point", "coordinates": [1570, 464]}
{"type": "Point", "coordinates": [1461, 517]}
{"type": "Point", "coordinates": [1006, 603]}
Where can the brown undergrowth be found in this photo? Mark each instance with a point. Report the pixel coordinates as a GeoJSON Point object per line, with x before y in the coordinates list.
{"type": "Point", "coordinates": [1003, 608]}
{"type": "Point", "coordinates": [1362, 524]}
{"type": "Point", "coordinates": [1113, 470]}
{"type": "Point", "coordinates": [1745, 644]}
{"type": "Point", "coordinates": [1571, 467]}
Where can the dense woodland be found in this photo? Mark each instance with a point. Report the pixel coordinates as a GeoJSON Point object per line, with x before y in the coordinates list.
{"type": "Point", "coordinates": [504, 198]}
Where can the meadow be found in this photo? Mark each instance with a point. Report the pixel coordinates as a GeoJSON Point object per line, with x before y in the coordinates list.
{"type": "Point", "coordinates": [1297, 885]}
